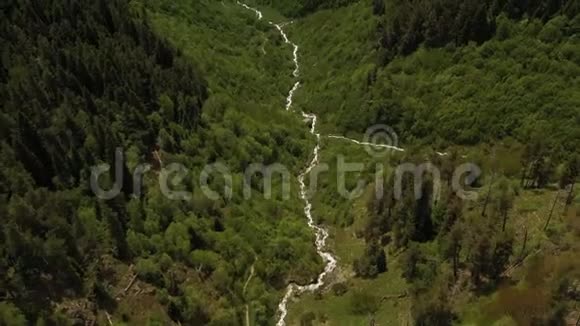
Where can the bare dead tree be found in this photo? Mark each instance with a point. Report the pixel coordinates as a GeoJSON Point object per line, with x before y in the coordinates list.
{"type": "Point", "coordinates": [487, 197]}
{"type": "Point", "coordinates": [552, 210]}
{"type": "Point", "coordinates": [522, 253]}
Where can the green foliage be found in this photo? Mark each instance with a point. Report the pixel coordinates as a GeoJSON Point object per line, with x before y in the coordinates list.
{"type": "Point", "coordinates": [79, 80]}
{"type": "Point", "coordinates": [504, 200]}
{"type": "Point", "coordinates": [484, 74]}
{"type": "Point", "coordinates": [70, 89]}
{"type": "Point", "coordinates": [10, 315]}
{"type": "Point", "coordinates": [410, 263]}
{"type": "Point", "coordinates": [373, 261]}
{"type": "Point", "coordinates": [457, 118]}
{"type": "Point", "coordinates": [434, 313]}
{"type": "Point", "coordinates": [302, 7]}
{"type": "Point", "coordinates": [363, 303]}
{"type": "Point", "coordinates": [407, 25]}
{"type": "Point", "coordinates": [307, 319]}
{"type": "Point", "coordinates": [149, 270]}
{"type": "Point", "coordinates": [339, 289]}
{"type": "Point", "coordinates": [464, 94]}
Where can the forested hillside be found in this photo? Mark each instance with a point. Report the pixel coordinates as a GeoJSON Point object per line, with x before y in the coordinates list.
{"type": "Point", "coordinates": [68, 70]}
{"type": "Point", "coordinates": [521, 83]}
{"type": "Point", "coordinates": [202, 85]}
{"type": "Point", "coordinates": [489, 83]}
{"type": "Point", "coordinates": [77, 80]}
{"type": "Point", "coordinates": [293, 8]}
{"type": "Point", "coordinates": [80, 79]}
{"type": "Point", "coordinates": [405, 25]}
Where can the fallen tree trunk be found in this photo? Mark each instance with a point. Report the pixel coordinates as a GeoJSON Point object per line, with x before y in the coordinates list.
{"type": "Point", "coordinates": [394, 296]}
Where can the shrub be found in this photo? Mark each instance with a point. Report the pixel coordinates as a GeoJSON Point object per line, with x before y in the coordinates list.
{"type": "Point", "coordinates": [339, 289]}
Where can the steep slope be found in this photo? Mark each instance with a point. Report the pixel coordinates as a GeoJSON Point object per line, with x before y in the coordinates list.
{"type": "Point", "coordinates": [77, 81]}
{"type": "Point", "coordinates": [293, 8]}
{"type": "Point", "coordinates": [508, 105]}
{"type": "Point", "coordinates": [519, 84]}
{"type": "Point", "coordinates": [104, 79]}
{"type": "Point", "coordinates": [203, 116]}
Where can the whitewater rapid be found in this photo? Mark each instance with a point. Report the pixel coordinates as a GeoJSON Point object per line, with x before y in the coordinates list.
{"type": "Point", "coordinates": [321, 233]}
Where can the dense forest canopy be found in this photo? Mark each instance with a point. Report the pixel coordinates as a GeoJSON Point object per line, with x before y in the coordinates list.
{"type": "Point", "coordinates": [408, 24]}
{"type": "Point", "coordinates": [303, 7]}
{"type": "Point", "coordinates": [79, 80]}
{"type": "Point", "coordinates": [517, 80]}
{"type": "Point", "coordinates": [493, 83]}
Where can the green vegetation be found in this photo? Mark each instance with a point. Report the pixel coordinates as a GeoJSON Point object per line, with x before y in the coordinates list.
{"type": "Point", "coordinates": [445, 262]}
{"type": "Point", "coordinates": [493, 83]}
{"type": "Point", "coordinates": [407, 25]}
{"type": "Point", "coordinates": [520, 84]}
{"type": "Point", "coordinates": [293, 8]}
{"type": "Point", "coordinates": [511, 96]}
{"type": "Point", "coordinates": [80, 79]}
